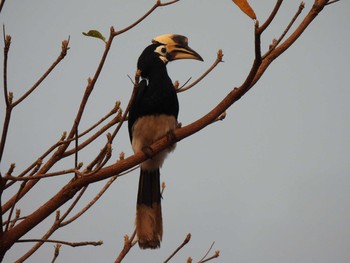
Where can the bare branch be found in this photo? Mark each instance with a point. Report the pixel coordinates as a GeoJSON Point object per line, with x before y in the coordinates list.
{"type": "Point", "coordinates": [7, 44]}
{"type": "Point", "coordinates": [206, 254]}
{"type": "Point", "coordinates": [56, 253]}
{"type": "Point", "coordinates": [40, 176]}
{"type": "Point", "coordinates": [157, 4]}
{"type": "Point", "coordinates": [64, 49]}
{"type": "Point", "coordinates": [72, 244]}
{"type": "Point", "coordinates": [91, 203]}
{"type": "Point", "coordinates": [216, 62]}
{"type": "Point", "coordinates": [275, 43]}
{"type": "Point", "coordinates": [332, 2]}
{"type": "Point", "coordinates": [128, 244]}
{"type": "Point", "coordinates": [186, 240]}
{"type": "Point", "coordinates": [93, 137]}
{"type": "Point", "coordinates": [216, 255]}
{"type": "Point", "coordinates": [13, 206]}
{"type": "Point", "coordinates": [7, 96]}
{"type": "Point", "coordinates": [271, 17]}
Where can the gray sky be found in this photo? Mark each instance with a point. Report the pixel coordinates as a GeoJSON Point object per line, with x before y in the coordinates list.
{"type": "Point", "coordinates": [269, 184]}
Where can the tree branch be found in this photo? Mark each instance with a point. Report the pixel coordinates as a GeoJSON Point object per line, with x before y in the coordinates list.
{"type": "Point", "coordinates": [64, 50]}
{"type": "Point", "coordinates": [72, 244]}
{"type": "Point", "coordinates": [128, 244]}
{"type": "Point", "coordinates": [216, 62]}
{"type": "Point", "coordinates": [186, 240]}
{"type": "Point", "coordinates": [271, 17]}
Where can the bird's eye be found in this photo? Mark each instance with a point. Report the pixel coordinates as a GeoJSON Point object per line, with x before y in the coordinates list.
{"type": "Point", "coordinates": [161, 50]}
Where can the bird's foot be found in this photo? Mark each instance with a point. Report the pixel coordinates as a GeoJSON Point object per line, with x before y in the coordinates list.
{"type": "Point", "coordinates": [171, 136]}
{"type": "Point", "coordinates": [147, 151]}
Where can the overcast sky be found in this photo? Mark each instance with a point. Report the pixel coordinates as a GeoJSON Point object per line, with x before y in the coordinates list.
{"type": "Point", "coordinates": [270, 183]}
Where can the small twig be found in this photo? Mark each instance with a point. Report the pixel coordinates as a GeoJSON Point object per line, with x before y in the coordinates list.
{"type": "Point", "coordinates": [157, 4]}
{"type": "Point", "coordinates": [93, 137]}
{"type": "Point", "coordinates": [59, 222]}
{"type": "Point", "coordinates": [8, 96]}
{"type": "Point", "coordinates": [76, 154]}
{"type": "Point", "coordinates": [56, 253]}
{"type": "Point", "coordinates": [36, 168]}
{"type": "Point", "coordinates": [7, 44]}
{"type": "Point", "coordinates": [276, 42]}
{"type": "Point", "coordinates": [91, 203]}
{"type": "Point", "coordinates": [13, 221]}
{"type": "Point", "coordinates": [72, 244]}
{"type": "Point", "coordinates": [206, 254]}
{"type": "Point", "coordinates": [13, 206]}
{"type": "Point", "coordinates": [216, 62]}
{"type": "Point", "coordinates": [332, 2]}
{"type": "Point", "coordinates": [216, 255]}
{"type": "Point", "coordinates": [128, 244]}
{"type": "Point", "coordinates": [40, 176]}
{"type": "Point", "coordinates": [131, 101]}
{"type": "Point", "coordinates": [113, 111]}
{"type": "Point", "coordinates": [64, 49]}
{"type": "Point", "coordinates": [186, 240]}
{"type": "Point", "coordinates": [167, 3]}
{"type": "Point", "coordinates": [176, 84]}
{"type": "Point", "coordinates": [271, 17]}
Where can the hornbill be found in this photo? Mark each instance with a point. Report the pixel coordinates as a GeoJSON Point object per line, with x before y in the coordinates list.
{"type": "Point", "coordinates": [153, 114]}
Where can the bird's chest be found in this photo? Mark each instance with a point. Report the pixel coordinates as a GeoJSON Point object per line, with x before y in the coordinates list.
{"type": "Point", "coordinates": [148, 129]}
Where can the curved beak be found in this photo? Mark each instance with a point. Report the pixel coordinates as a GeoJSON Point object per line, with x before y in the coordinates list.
{"type": "Point", "coordinates": [177, 47]}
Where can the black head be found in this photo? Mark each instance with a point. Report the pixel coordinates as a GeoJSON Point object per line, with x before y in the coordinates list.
{"type": "Point", "coordinates": [152, 58]}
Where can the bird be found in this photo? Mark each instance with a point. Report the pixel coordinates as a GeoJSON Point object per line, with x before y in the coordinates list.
{"type": "Point", "coordinates": [152, 115]}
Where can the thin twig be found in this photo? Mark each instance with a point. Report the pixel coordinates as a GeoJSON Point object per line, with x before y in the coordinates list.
{"type": "Point", "coordinates": [216, 255]}
{"type": "Point", "coordinates": [91, 203]}
{"type": "Point", "coordinates": [8, 96]}
{"type": "Point", "coordinates": [219, 57]}
{"type": "Point", "coordinates": [332, 2]}
{"type": "Point", "coordinates": [157, 4]}
{"type": "Point", "coordinates": [109, 114]}
{"type": "Point", "coordinates": [206, 254]}
{"type": "Point", "coordinates": [71, 207]}
{"type": "Point", "coordinates": [72, 244]}
{"type": "Point", "coordinates": [13, 221]}
{"type": "Point", "coordinates": [276, 42]}
{"type": "Point", "coordinates": [36, 168]}
{"type": "Point", "coordinates": [13, 206]}
{"type": "Point", "coordinates": [186, 240]}
{"type": "Point", "coordinates": [7, 44]}
{"type": "Point", "coordinates": [271, 17]}
{"type": "Point", "coordinates": [61, 56]}
{"type": "Point", "coordinates": [128, 244]}
{"type": "Point", "coordinates": [40, 176]}
{"type": "Point", "coordinates": [96, 135]}
{"type": "Point", "coordinates": [56, 253]}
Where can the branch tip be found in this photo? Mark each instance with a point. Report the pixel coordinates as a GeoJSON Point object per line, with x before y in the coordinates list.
{"type": "Point", "coordinates": [220, 55]}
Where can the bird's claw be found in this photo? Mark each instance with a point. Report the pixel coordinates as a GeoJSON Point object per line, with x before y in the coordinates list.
{"type": "Point", "coordinates": [147, 151]}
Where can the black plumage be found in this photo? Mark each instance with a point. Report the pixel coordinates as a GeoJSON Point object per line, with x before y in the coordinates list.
{"type": "Point", "coordinates": [156, 94]}
{"type": "Point", "coordinates": [152, 115]}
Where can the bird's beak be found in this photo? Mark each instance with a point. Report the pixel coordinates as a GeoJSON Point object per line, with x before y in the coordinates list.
{"type": "Point", "coordinates": [177, 47]}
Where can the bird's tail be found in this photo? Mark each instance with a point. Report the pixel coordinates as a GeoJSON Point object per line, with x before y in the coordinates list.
{"type": "Point", "coordinates": [149, 225]}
